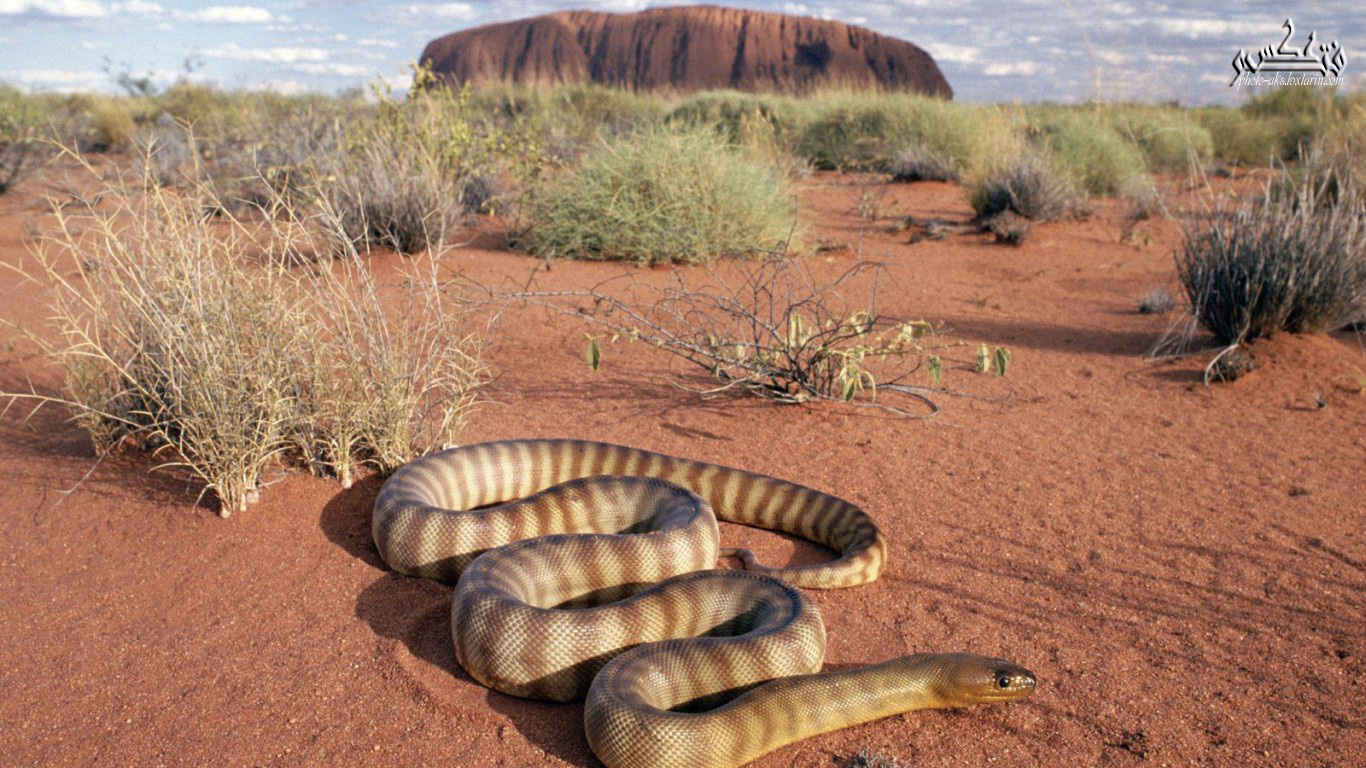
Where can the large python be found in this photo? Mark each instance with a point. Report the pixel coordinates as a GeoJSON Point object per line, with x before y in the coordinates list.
{"type": "Point", "coordinates": [590, 569]}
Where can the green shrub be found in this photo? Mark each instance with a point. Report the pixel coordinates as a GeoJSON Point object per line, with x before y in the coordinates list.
{"type": "Point", "coordinates": [1086, 148]}
{"type": "Point", "coordinates": [21, 134]}
{"type": "Point", "coordinates": [726, 110]}
{"type": "Point", "coordinates": [1241, 140]}
{"type": "Point", "coordinates": [563, 121]}
{"type": "Point", "coordinates": [1293, 259]}
{"type": "Point", "coordinates": [670, 194]}
{"type": "Point", "coordinates": [1344, 136]}
{"type": "Point", "coordinates": [98, 123]}
{"type": "Point", "coordinates": [866, 131]}
{"type": "Point", "coordinates": [1276, 125]}
{"type": "Point", "coordinates": [1168, 138]}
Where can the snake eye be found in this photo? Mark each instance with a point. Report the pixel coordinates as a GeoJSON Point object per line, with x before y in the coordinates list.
{"type": "Point", "coordinates": [1003, 681]}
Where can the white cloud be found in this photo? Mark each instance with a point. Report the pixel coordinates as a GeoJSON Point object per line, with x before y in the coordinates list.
{"type": "Point", "coordinates": [333, 68]}
{"type": "Point", "coordinates": [457, 11]}
{"type": "Point", "coordinates": [370, 42]}
{"type": "Point", "coordinates": [1192, 29]}
{"type": "Point", "coordinates": [61, 9]}
{"type": "Point", "coordinates": [958, 54]}
{"type": "Point", "coordinates": [1003, 68]}
{"type": "Point", "coordinates": [285, 87]}
{"type": "Point", "coordinates": [60, 79]}
{"type": "Point", "coordinates": [139, 7]}
{"type": "Point", "coordinates": [1114, 58]}
{"type": "Point", "coordinates": [229, 14]}
{"type": "Point", "coordinates": [277, 55]}
{"type": "Point", "coordinates": [1169, 58]}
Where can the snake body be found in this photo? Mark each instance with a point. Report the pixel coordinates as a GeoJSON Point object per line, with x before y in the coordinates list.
{"type": "Point", "coordinates": [586, 569]}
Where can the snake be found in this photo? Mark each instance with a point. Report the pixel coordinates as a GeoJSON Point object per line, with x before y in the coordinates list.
{"type": "Point", "coordinates": [588, 570]}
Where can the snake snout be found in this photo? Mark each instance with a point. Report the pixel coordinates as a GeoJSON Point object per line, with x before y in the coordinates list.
{"type": "Point", "coordinates": [971, 679]}
{"type": "Point", "coordinates": [1008, 681]}
{"type": "Point", "coordinates": [1013, 679]}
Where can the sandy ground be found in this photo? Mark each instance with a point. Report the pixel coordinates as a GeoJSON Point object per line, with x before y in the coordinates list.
{"type": "Point", "coordinates": [1183, 567]}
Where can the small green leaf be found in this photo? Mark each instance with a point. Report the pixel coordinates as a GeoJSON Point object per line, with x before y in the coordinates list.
{"type": "Point", "coordinates": [850, 388]}
{"type": "Point", "coordinates": [936, 368]}
{"type": "Point", "coordinates": [983, 358]}
{"type": "Point", "coordinates": [593, 354]}
{"type": "Point", "coordinates": [1000, 361]}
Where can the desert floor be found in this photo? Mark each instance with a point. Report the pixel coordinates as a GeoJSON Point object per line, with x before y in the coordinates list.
{"type": "Point", "coordinates": [1183, 567]}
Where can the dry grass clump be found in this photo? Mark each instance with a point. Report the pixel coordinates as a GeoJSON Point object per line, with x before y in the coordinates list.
{"type": "Point", "coordinates": [917, 163]}
{"type": "Point", "coordinates": [1156, 301]}
{"type": "Point", "coordinates": [670, 194]}
{"type": "Point", "coordinates": [1292, 259]}
{"type": "Point", "coordinates": [392, 195]}
{"type": "Point", "coordinates": [386, 374]}
{"type": "Point", "coordinates": [166, 336]}
{"type": "Point", "coordinates": [177, 334]}
{"type": "Point", "coordinates": [1008, 227]}
{"type": "Point", "coordinates": [399, 182]}
{"type": "Point", "coordinates": [1027, 185]}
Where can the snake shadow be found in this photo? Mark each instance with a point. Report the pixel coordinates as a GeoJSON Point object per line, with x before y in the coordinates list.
{"type": "Point", "coordinates": [416, 614]}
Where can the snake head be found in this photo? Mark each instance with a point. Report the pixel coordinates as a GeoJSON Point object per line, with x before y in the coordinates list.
{"type": "Point", "coordinates": [962, 679]}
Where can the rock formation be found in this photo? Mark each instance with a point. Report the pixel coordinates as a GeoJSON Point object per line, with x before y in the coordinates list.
{"type": "Point", "coordinates": [685, 49]}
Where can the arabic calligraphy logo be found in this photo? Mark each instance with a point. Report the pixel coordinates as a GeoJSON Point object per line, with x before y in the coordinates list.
{"type": "Point", "coordinates": [1326, 59]}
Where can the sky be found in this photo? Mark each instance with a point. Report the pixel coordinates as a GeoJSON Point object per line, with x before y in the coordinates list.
{"type": "Point", "coordinates": [1025, 51]}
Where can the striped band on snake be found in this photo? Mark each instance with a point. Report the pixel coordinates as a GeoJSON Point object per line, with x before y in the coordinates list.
{"type": "Point", "coordinates": [590, 569]}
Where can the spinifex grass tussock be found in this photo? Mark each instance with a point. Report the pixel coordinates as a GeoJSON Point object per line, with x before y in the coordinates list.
{"type": "Point", "coordinates": [1292, 259]}
{"type": "Point", "coordinates": [177, 333]}
{"type": "Point", "coordinates": [1027, 184]}
{"type": "Point", "coordinates": [917, 163]}
{"type": "Point", "coordinates": [866, 131]}
{"type": "Point", "coordinates": [669, 194]}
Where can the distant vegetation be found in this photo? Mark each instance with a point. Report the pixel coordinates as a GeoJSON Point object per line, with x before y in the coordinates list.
{"type": "Point", "coordinates": [1100, 148]}
{"type": "Point", "coordinates": [222, 312]}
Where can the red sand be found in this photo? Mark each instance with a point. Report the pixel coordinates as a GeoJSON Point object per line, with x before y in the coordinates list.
{"type": "Point", "coordinates": [1183, 567]}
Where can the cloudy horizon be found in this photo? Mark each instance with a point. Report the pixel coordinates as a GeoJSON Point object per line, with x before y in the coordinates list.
{"type": "Point", "coordinates": [1040, 50]}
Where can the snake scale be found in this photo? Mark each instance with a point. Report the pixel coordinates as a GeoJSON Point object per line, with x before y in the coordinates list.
{"type": "Point", "coordinates": [589, 569]}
